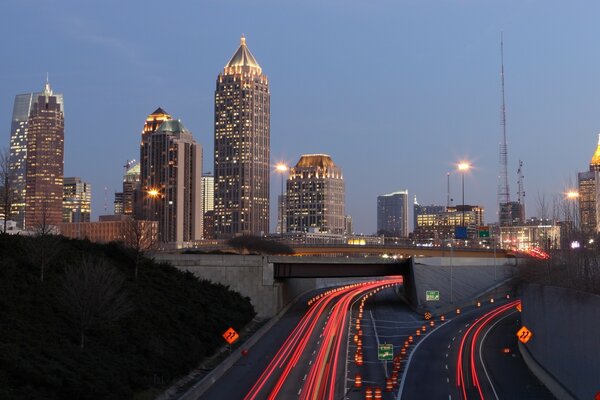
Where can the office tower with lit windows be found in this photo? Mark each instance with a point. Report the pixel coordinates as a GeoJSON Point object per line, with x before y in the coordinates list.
{"type": "Point", "coordinates": [392, 214]}
{"type": "Point", "coordinates": [44, 161]}
{"type": "Point", "coordinates": [208, 205]}
{"type": "Point", "coordinates": [77, 200]}
{"type": "Point", "coordinates": [128, 202]}
{"type": "Point", "coordinates": [171, 171]}
{"type": "Point", "coordinates": [315, 196]}
{"type": "Point", "coordinates": [18, 149]}
{"type": "Point", "coordinates": [242, 147]}
{"type": "Point", "coordinates": [589, 195]}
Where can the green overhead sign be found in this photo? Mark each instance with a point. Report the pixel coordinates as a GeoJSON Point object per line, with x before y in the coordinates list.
{"type": "Point", "coordinates": [385, 352]}
{"type": "Point", "coordinates": [432, 295]}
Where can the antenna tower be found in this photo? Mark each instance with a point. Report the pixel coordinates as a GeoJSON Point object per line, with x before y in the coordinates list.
{"type": "Point", "coordinates": [105, 199]}
{"type": "Point", "coordinates": [521, 193]}
{"type": "Point", "coordinates": [503, 190]}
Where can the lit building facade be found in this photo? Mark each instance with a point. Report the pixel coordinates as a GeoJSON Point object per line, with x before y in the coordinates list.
{"type": "Point", "coordinates": [589, 195]}
{"type": "Point", "coordinates": [171, 171]}
{"type": "Point", "coordinates": [511, 213]}
{"type": "Point", "coordinates": [392, 214]}
{"type": "Point", "coordinates": [128, 202]}
{"type": "Point", "coordinates": [315, 196]}
{"type": "Point", "coordinates": [419, 209]}
{"type": "Point", "coordinates": [44, 161]}
{"type": "Point", "coordinates": [242, 147]}
{"type": "Point", "coordinates": [208, 205]}
{"type": "Point", "coordinates": [534, 233]}
{"type": "Point", "coordinates": [439, 226]}
{"type": "Point", "coordinates": [112, 228]}
{"type": "Point", "coordinates": [18, 150]}
{"type": "Point", "coordinates": [77, 200]}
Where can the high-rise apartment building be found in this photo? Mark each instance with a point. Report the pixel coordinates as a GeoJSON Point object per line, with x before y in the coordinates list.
{"type": "Point", "coordinates": [589, 195]}
{"type": "Point", "coordinates": [242, 147]}
{"type": "Point", "coordinates": [419, 209]}
{"type": "Point", "coordinates": [440, 226]}
{"type": "Point", "coordinates": [208, 205]}
{"type": "Point", "coordinates": [315, 196]}
{"type": "Point", "coordinates": [171, 171]}
{"type": "Point", "coordinates": [77, 200]}
{"type": "Point", "coordinates": [44, 161]}
{"type": "Point", "coordinates": [18, 149]}
{"type": "Point", "coordinates": [392, 214]}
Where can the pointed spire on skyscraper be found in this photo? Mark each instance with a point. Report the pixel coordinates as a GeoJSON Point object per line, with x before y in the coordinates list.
{"type": "Point", "coordinates": [47, 88]}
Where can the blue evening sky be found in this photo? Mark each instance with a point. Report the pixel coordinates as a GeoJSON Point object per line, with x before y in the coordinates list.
{"type": "Point", "coordinates": [395, 91]}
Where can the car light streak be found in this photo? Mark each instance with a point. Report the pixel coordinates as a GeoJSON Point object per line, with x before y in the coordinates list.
{"type": "Point", "coordinates": [320, 381]}
{"type": "Point", "coordinates": [476, 327]}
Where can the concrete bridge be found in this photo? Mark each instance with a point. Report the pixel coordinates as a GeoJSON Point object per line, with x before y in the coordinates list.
{"type": "Point", "coordinates": [271, 282]}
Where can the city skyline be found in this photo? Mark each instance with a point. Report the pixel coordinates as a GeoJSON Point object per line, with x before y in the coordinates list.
{"type": "Point", "coordinates": [444, 105]}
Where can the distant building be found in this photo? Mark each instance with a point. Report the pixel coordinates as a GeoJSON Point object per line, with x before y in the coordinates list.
{"type": "Point", "coordinates": [18, 149]}
{"type": "Point", "coordinates": [315, 196]}
{"type": "Point", "coordinates": [348, 228]}
{"type": "Point", "coordinates": [77, 200]}
{"type": "Point", "coordinates": [589, 195]}
{"type": "Point", "coordinates": [44, 161]}
{"type": "Point", "coordinates": [281, 220]}
{"type": "Point", "coordinates": [129, 201]}
{"type": "Point", "coordinates": [440, 226]}
{"type": "Point", "coordinates": [208, 205]}
{"type": "Point", "coordinates": [171, 171]}
{"type": "Point", "coordinates": [534, 233]}
{"type": "Point", "coordinates": [113, 228]}
{"type": "Point", "coordinates": [392, 214]}
{"type": "Point", "coordinates": [511, 213]}
{"type": "Point", "coordinates": [242, 147]}
{"type": "Point", "coordinates": [419, 209]}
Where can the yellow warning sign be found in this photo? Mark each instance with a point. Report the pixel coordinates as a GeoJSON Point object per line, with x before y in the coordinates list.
{"type": "Point", "coordinates": [524, 334]}
{"type": "Point", "coordinates": [230, 335]}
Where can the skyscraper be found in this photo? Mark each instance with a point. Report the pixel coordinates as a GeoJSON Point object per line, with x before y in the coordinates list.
{"type": "Point", "coordinates": [128, 202]}
{"type": "Point", "coordinates": [44, 161]}
{"type": "Point", "coordinates": [242, 147]}
{"type": "Point", "coordinates": [589, 195]}
{"type": "Point", "coordinates": [392, 214]}
{"type": "Point", "coordinates": [77, 200]}
{"type": "Point", "coordinates": [171, 170]}
{"type": "Point", "coordinates": [315, 196]}
{"type": "Point", "coordinates": [18, 149]}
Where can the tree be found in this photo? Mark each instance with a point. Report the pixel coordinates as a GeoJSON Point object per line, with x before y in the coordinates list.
{"type": "Point", "coordinates": [46, 244]}
{"type": "Point", "coordinates": [92, 294]}
{"type": "Point", "coordinates": [8, 194]}
{"type": "Point", "coordinates": [141, 237]}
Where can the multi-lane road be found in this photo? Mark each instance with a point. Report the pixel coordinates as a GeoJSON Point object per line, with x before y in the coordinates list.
{"type": "Point", "coordinates": [326, 347]}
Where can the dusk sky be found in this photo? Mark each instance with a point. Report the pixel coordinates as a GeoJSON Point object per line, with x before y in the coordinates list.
{"type": "Point", "coordinates": [395, 91]}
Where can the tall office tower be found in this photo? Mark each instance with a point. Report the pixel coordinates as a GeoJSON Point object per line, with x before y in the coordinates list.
{"type": "Point", "coordinates": [44, 161]}
{"type": "Point", "coordinates": [208, 205]}
{"type": "Point", "coordinates": [171, 171]}
{"type": "Point", "coordinates": [77, 200]}
{"type": "Point", "coordinates": [419, 209]}
{"type": "Point", "coordinates": [128, 202]}
{"type": "Point", "coordinates": [315, 196]}
{"type": "Point", "coordinates": [589, 195]}
{"type": "Point", "coordinates": [242, 147]}
{"type": "Point", "coordinates": [392, 214]}
{"type": "Point", "coordinates": [18, 149]}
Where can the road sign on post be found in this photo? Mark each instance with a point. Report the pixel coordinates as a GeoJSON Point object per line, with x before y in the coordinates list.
{"type": "Point", "coordinates": [385, 352]}
{"type": "Point", "coordinates": [460, 232]}
{"type": "Point", "coordinates": [484, 231]}
{"type": "Point", "coordinates": [230, 335]}
{"type": "Point", "coordinates": [524, 334]}
{"type": "Point", "coordinates": [432, 295]}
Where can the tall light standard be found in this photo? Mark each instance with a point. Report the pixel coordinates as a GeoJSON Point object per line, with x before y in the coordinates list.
{"type": "Point", "coordinates": [153, 193]}
{"type": "Point", "coordinates": [571, 196]}
{"type": "Point", "coordinates": [463, 167]}
{"type": "Point", "coordinates": [281, 168]}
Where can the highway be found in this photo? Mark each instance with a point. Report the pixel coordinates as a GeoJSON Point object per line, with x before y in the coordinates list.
{"type": "Point", "coordinates": [326, 347]}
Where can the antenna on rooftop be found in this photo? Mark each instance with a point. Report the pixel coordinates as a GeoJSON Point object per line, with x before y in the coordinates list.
{"type": "Point", "coordinates": [503, 190]}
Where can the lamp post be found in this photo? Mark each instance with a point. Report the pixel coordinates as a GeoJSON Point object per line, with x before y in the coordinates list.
{"type": "Point", "coordinates": [463, 166]}
{"type": "Point", "coordinates": [281, 168]}
{"type": "Point", "coordinates": [571, 195]}
{"type": "Point", "coordinates": [153, 193]}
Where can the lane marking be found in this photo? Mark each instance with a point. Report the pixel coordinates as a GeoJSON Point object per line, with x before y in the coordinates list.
{"type": "Point", "coordinates": [447, 380]}
{"type": "Point", "coordinates": [446, 366]}
{"type": "Point", "coordinates": [446, 355]}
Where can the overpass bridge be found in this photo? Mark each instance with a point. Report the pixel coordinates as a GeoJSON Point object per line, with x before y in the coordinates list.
{"type": "Point", "coordinates": [271, 282]}
{"type": "Point", "coordinates": [395, 251]}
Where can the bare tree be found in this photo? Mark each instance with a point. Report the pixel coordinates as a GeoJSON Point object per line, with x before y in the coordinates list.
{"type": "Point", "coordinates": [141, 237]}
{"type": "Point", "coordinates": [8, 194]}
{"type": "Point", "coordinates": [92, 294]}
{"type": "Point", "coordinates": [45, 246]}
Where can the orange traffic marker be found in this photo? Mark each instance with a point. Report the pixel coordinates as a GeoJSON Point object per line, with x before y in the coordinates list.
{"type": "Point", "coordinates": [418, 332]}
{"type": "Point", "coordinates": [368, 393]}
{"type": "Point", "coordinates": [458, 310]}
{"type": "Point", "coordinates": [358, 381]}
{"type": "Point", "coordinates": [431, 323]}
{"type": "Point", "coordinates": [410, 339]}
{"type": "Point", "coordinates": [378, 394]}
{"type": "Point", "coordinates": [442, 318]}
{"type": "Point", "coordinates": [389, 385]}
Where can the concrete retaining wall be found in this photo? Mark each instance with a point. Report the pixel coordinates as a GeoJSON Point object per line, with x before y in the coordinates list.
{"type": "Point", "coordinates": [566, 333]}
{"type": "Point", "coordinates": [458, 279]}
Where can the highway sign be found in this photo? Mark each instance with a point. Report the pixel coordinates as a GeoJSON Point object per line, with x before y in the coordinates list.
{"type": "Point", "coordinates": [484, 231]}
{"type": "Point", "coordinates": [460, 232]}
{"type": "Point", "coordinates": [519, 307]}
{"type": "Point", "coordinates": [432, 295]}
{"type": "Point", "coordinates": [524, 334]}
{"type": "Point", "coordinates": [427, 315]}
{"type": "Point", "coordinates": [385, 352]}
{"type": "Point", "coordinates": [230, 335]}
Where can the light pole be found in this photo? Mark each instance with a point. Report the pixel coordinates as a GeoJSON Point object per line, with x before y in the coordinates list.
{"type": "Point", "coordinates": [281, 168]}
{"type": "Point", "coordinates": [153, 193]}
{"type": "Point", "coordinates": [571, 195]}
{"type": "Point", "coordinates": [463, 166]}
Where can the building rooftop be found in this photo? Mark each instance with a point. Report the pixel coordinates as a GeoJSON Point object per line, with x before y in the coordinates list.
{"type": "Point", "coordinates": [596, 156]}
{"type": "Point", "coordinates": [243, 58]}
{"type": "Point", "coordinates": [315, 160]}
{"type": "Point", "coordinates": [172, 125]}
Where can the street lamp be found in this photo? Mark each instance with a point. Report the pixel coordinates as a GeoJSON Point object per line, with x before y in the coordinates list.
{"type": "Point", "coordinates": [281, 168]}
{"type": "Point", "coordinates": [463, 167]}
{"type": "Point", "coordinates": [571, 195]}
{"type": "Point", "coordinates": [153, 193]}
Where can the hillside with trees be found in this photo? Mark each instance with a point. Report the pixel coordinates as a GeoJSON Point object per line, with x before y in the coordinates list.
{"type": "Point", "coordinates": [76, 322]}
